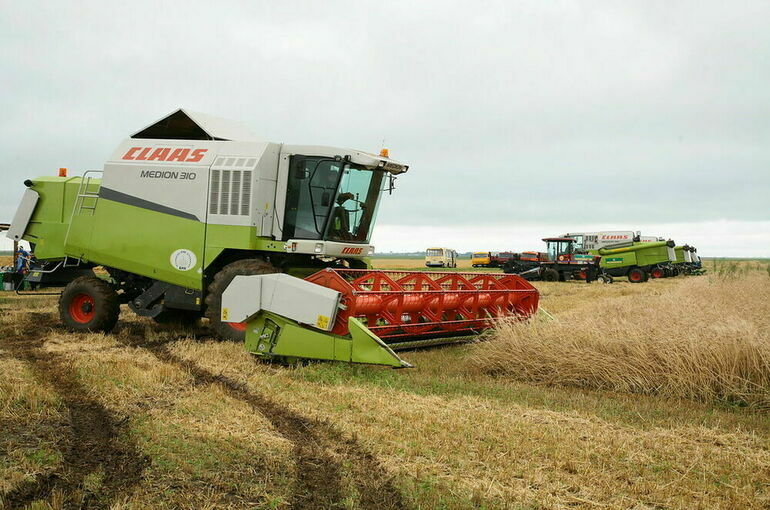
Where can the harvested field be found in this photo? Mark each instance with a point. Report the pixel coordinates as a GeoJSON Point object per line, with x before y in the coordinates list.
{"type": "Point", "coordinates": [164, 418]}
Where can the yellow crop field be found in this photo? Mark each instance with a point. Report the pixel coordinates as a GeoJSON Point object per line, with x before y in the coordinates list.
{"type": "Point", "coordinates": [633, 396]}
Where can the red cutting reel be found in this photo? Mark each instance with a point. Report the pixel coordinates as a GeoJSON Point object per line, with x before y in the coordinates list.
{"type": "Point", "coordinates": [401, 305]}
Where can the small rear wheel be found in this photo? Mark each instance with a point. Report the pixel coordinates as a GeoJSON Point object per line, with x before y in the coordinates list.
{"type": "Point", "coordinates": [657, 272]}
{"type": "Point", "coordinates": [637, 275]}
{"type": "Point", "coordinates": [550, 275]}
{"type": "Point", "coordinates": [89, 303]}
{"type": "Point", "coordinates": [605, 278]}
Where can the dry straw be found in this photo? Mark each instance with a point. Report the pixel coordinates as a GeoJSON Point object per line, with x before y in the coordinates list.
{"type": "Point", "coordinates": [707, 339]}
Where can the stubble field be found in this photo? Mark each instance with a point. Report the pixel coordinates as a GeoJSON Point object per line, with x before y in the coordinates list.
{"type": "Point", "coordinates": [149, 417]}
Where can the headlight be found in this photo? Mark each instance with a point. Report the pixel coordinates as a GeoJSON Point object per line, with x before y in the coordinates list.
{"type": "Point", "coordinates": [319, 247]}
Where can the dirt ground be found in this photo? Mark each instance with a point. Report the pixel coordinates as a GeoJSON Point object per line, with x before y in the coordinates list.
{"type": "Point", "coordinates": [154, 417]}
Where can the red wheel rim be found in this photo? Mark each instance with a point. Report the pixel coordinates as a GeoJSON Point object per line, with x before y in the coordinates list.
{"type": "Point", "coordinates": [635, 276]}
{"type": "Point", "coordinates": [82, 309]}
{"type": "Point", "coordinates": [658, 273]}
{"type": "Point", "coordinates": [237, 326]}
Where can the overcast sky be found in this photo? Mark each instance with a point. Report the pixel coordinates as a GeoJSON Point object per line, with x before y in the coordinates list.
{"type": "Point", "coordinates": [518, 119]}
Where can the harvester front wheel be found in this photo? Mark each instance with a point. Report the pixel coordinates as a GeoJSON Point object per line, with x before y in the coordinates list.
{"type": "Point", "coordinates": [637, 275]}
{"type": "Point", "coordinates": [246, 267]}
{"type": "Point", "coordinates": [550, 275]}
{"type": "Point", "coordinates": [89, 303]}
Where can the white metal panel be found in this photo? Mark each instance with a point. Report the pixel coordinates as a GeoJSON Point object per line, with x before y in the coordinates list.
{"type": "Point", "coordinates": [603, 239]}
{"type": "Point", "coordinates": [242, 298]}
{"type": "Point", "coordinates": [281, 186]}
{"type": "Point", "coordinates": [23, 215]}
{"type": "Point", "coordinates": [179, 185]}
{"type": "Point", "coordinates": [358, 157]}
{"type": "Point", "coordinates": [181, 188]}
{"type": "Point", "coordinates": [328, 248]}
{"type": "Point", "coordinates": [216, 127]}
{"type": "Point", "coordinates": [671, 254]}
{"type": "Point", "coordinates": [264, 202]}
{"type": "Point", "coordinates": [284, 295]}
{"type": "Point", "coordinates": [300, 300]}
{"type": "Point", "coordinates": [219, 127]}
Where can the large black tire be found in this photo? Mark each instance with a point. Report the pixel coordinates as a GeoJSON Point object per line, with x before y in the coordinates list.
{"type": "Point", "coordinates": [550, 275]}
{"type": "Point", "coordinates": [247, 267]}
{"type": "Point", "coordinates": [637, 275]}
{"type": "Point", "coordinates": [89, 303]}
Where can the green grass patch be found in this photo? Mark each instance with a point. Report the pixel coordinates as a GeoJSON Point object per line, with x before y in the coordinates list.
{"type": "Point", "coordinates": [441, 372]}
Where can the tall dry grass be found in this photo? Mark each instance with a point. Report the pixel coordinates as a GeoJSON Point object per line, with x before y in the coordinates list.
{"type": "Point", "coordinates": [707, 339]}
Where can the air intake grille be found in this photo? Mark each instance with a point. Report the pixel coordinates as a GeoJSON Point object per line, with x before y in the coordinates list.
{"type": "Point", "coordinates": [246, 193]}
{"type": "Point", "coordinates": [214, 198]}
{"type": "Point", "coordinates": [230, 192]}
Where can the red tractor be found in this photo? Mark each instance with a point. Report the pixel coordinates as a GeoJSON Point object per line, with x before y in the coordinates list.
{"type": "Point", "coordinates": [559, 263]}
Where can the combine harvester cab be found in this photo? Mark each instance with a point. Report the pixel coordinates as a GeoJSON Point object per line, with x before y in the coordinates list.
{"type": "Point", "coordinates": [365, 316]}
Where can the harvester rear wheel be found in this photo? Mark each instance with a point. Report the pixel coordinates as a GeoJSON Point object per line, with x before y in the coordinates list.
{"type": "Point", "coordinates": [247, 267]}
{"type": "Point", "coordinates": [657, 273]}
{"type": "Point", "coordinates": [637, 275]}
{"type": "Point", "coordinates": [89, 303]}
{"type": "Point", "coordinates": [550, 275]}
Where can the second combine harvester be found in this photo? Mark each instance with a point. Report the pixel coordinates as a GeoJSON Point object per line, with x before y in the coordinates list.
{"type": "Point", "coordinates": [192, 216]}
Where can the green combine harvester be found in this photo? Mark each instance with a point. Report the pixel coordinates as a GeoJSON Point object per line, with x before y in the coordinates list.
{"type": "Point", "coordinates": [192, 203]}
{"type": "Point", "coordinates": [623, 253]}
{"type": "Point", "coordinates": [635, 261]}
{"type": "Point", "coordinates": [687, 261]}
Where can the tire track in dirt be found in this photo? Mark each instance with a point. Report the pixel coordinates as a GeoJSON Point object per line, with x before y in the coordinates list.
{"type": "Point", "coordinates": [91, 445]}
{"type": "Point", "coordinates": [318, 446]}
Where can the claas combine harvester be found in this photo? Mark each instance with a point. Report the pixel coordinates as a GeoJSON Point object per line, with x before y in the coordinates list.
{"type": "Point", "coordinates": [623, 253]}
{"type": "Point", "coordinates": [687, 261]}
{"type": "Point", "coordinates": [192, 216]}
{"type": "Point", "coordinates": [592, 256]}
{"type": "Point", "coordinates": [560, 262]}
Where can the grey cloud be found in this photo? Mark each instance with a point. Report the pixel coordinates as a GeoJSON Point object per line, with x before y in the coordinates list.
{"type": "Point", "coordinates": [506, 111]}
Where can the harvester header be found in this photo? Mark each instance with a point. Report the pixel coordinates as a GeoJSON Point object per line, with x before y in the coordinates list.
{"type": "Point", "coordinates": [340, 313]}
